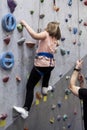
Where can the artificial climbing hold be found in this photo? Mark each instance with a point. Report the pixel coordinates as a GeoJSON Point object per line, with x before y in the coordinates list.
{"type": "Point", "coordinates": [38, 95]}
{"type": "Point", "coordinates": [67, 77]}
{"type": "Point", "coordinates": [42, 16]}
{"type": "Point", "coordinates": [7, 39]}
{"type": "Point", "coordinates": [85, 2]}
{"type": "Point", "coordinates": [30, 44]}
{"type": "Point", "coordinates": [31, 12]}
{"type": "Point", "coordinates": [65, 117]}
{"type": "Point", "coordinates": [75, 30]}
{"type": "Point", "coordinates": [21, 41]}
{"type": "Point", "coordinates": [3, 116]}
{"type": "Point", "coordinates": [5, 79]}
{"type": "Point", "coordinates": [53, 107]}
{"type": "Point", "coordinates": [12, 5]}
{"type": "Point", "coordinates": [18, 78]}
{"type": "Point", "coordinates": [58, 117]}
{"type": "Point", "coordinates": [62, 51]}
{"type": "Point", "coordinates": [59, 104]}
{"type": "Point", "coordinates": [8, 22]}
{"type": "Point", "coordinates": [85, 23]}
{"type": "Point", "coordinates": [55, 8]}
{"type": "Point", "coordinates": [7, 60]}
{"type": "Point", "coordinates": [67, 91]}
{"type": "Point", "coordinates": [41, 1]}
{"type": "Point", "coordinates": [62, 38]}
{"type": "Point", "coordinates": [52, 120]}
{"type": "Point", "coordinates": [69, 2]}
{"type": "Point", "coordinates": [20, 27]}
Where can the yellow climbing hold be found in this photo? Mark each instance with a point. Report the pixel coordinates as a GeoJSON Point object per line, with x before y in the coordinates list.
{"type": "Point", "coordinates": [45, 98]}
{"type": "Point", "coordinates": [2, 123]}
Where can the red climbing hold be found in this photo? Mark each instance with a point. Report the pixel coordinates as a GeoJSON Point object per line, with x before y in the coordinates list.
{"type": "Point", "coordinates": [5, 79]}
{"type": "Point", "coordinates": [85, 2]}
{"type": "Point", "coordinates": [7, 39]}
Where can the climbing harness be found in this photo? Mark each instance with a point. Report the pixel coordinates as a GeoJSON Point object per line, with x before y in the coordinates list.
{"type": "Point", "coordinates": [8, 22]}
{"type": "Point", "coordinates": [48, 55]}
{"type": "Point", "coordinates": [7, 60]}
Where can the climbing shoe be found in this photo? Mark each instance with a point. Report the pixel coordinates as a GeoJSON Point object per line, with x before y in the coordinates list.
{"type": "Point", "coordinates": [44, 90]}
{"type": "Point", "coordinates": [22, 111]}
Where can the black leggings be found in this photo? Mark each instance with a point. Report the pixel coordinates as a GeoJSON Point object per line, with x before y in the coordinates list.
{"type": "Point", "coordinates": [35, 76]}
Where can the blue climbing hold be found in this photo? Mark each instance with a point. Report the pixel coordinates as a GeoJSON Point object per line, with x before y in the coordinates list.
{"type": "Point", "coordinates": [7, 60]}
{"type": "Point", "coordinates": [70, 2]}
{"type": "Point", "coordinates": [8, 22]}
{"type": "Point", "coordinates": [75, 30]}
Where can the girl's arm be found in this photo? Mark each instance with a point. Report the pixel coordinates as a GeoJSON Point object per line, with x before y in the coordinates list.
{"type": "Point", "coordinates": [35, 35]}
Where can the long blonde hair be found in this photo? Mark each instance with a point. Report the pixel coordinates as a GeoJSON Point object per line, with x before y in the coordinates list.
{"type": "Point", "coordinates": [53, 30]}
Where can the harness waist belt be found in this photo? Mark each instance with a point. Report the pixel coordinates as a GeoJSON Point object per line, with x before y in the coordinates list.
{"type": "Point", "coordinates": [48, 55]}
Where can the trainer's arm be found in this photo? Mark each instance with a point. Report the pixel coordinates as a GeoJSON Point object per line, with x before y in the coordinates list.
{"type": "Point", "coordinates": [73, 87]}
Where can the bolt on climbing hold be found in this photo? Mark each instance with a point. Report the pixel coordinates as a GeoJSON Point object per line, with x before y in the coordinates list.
{"type": "Point", "coordinates": [85, 23]}
{"type": "Point", "coordinates": [30, 44]}
{"type": "Point", "coordinates": [39, 95]}
{"type": "Point", "coordinates": [26, 129]}
{"type": "Point", "coordinates": [20, 27]}
{"type": "Point", "coordinates": [52, 120]}
{"type": "Point", "coordinates": [67, 91]}
{"type": "Point", "coordinates": [67, 77]}
{"type": "Point", "coordinates": [41, 1]}
{"type": "Point", "coordinates": [70, 28]}
{"type": "Point", "coordinates": [21, 41]}
{"type": "Point", "coordinates": [8, 22]}
{"type": "Point", "coordinates": [12, 5]}
{"type": "Point", "coordinates": [53, 107]}
{"type": "Point", "coordinates": [65, 117]}
{"type": "Point", "coordinates": [80, 21]}
{"type": "Point", "coordinates": [42, 16]}
{"type": "Point", "coordinates": [7, 39]}
{"type": "Point", "coordinates": [62, 38]}
{"type": "Point", "coordinates": [69, 2]}
{"type": "Point", "coordinates": [80, 32]}
{"type": "Point", "coordinates": [62, 51]}
{"type": "Point", "coordinates": [55, 8]}
{"type": "Point", "coordinates": [75, 30]}
{"type": "Point", "coordinates": [31, 12]}
{"type": "Point", "coordinates": [66, 20]}
{"type": "Point", "coordinates": [85, 2]}
{"type": "Point", "coordinates": [75, 112]}
{"type": "Point", "coordinates": [7, 60]}
{"type": "Point", "coordinates": [5, 79]}
{"type": "Point", "coordinates": [18, 78]}
{"type": "Point", "coordinates": [58, 117]}
{"type": "Point", "coordinates": [69, 15]}
{"type": "Point", "coordinates": [3, 116]}
{"type": "Point", "coordinates": [59, 104]}
{"type": "Point", "coordinates": [69, 126]}
{"type": "Point", "coordinates": [60, 75]}
{"type": "Point", "coordinates": [74, 41]}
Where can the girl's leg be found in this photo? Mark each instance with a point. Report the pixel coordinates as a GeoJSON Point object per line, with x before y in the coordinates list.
{"type": "Point", "coordinates": [45, 81]}
{"type": "Point", "coordinates": [46, 76]}
{"type": "Point", "coordinates": [32, 81]}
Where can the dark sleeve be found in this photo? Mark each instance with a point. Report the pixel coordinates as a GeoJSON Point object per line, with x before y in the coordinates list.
{"type": "Point", "coordinates": [83, 93]}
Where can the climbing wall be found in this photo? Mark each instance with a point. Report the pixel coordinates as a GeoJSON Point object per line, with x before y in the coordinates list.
{"type": "Point", "coordinates": [16, 61]}
{"type": "Point", "coordinates": [60, 110]}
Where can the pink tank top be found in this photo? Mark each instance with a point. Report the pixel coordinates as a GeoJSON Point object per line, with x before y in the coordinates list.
{"type": "Point", "coordinates": [47, 45]}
